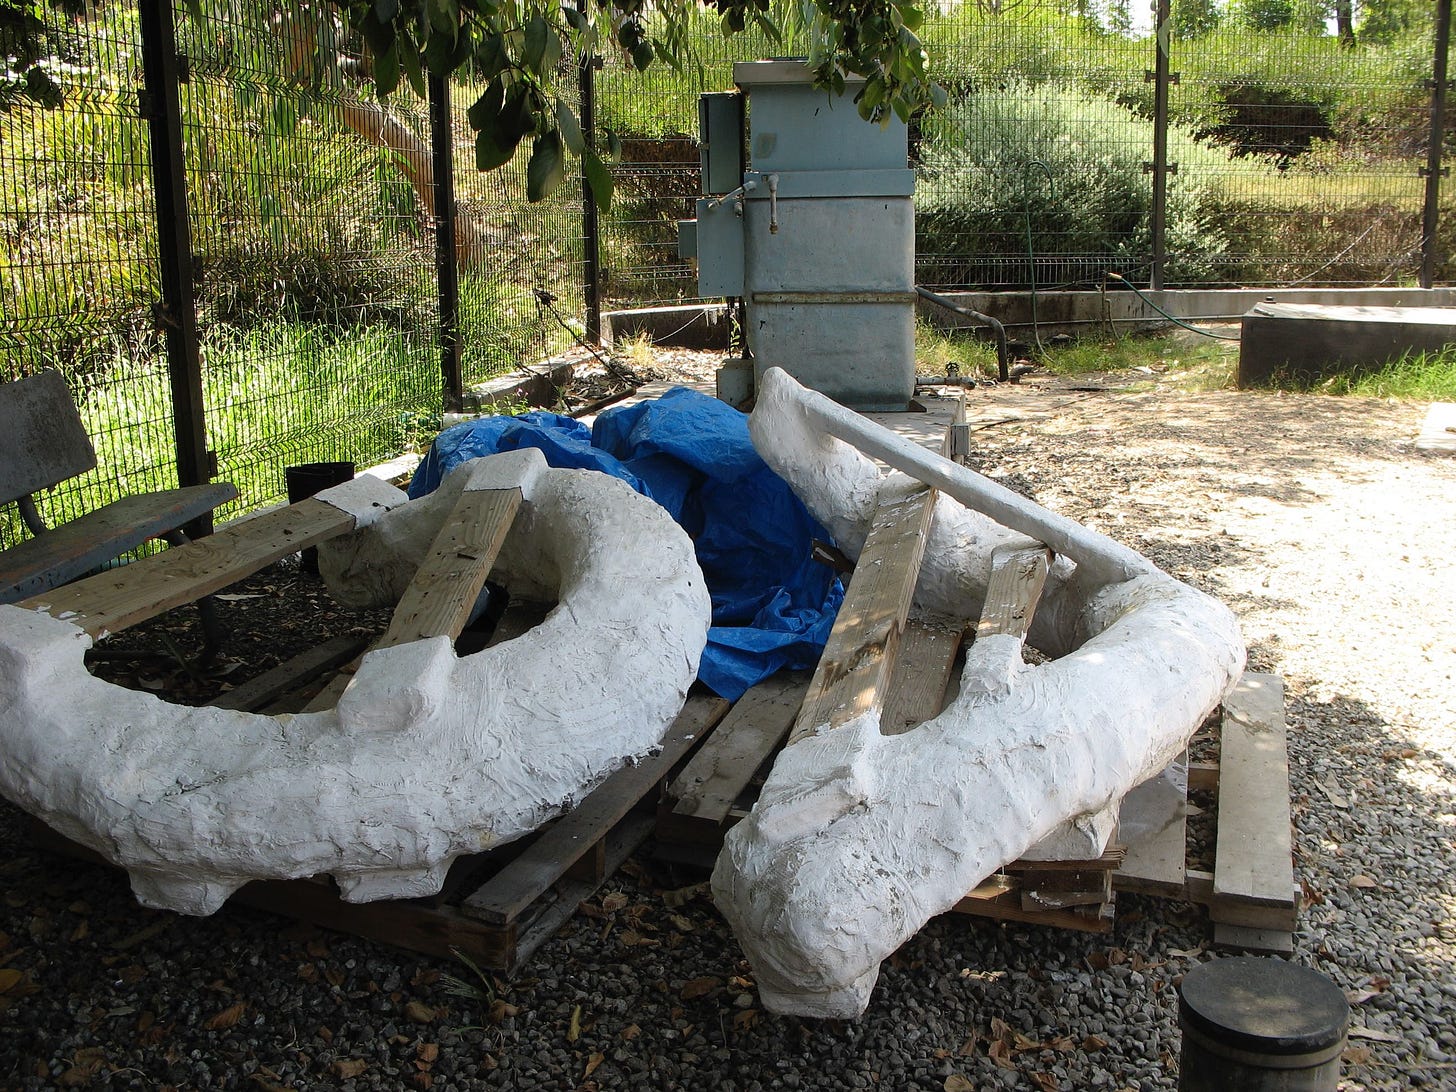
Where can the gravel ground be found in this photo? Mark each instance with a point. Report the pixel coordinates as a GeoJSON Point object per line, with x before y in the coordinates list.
{"type": "Point", "coordinates": [1313, 517]}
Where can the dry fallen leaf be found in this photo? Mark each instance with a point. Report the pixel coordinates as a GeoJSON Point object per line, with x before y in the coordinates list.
{"type": "Point", "coordinates": [614, 901]}
{"type": "Point", "coordinates": [1093, 1042]}
{"type": "Point", "coordinates": [10, 978]}
{"type": "Point", "coordinates": [349, 1067]}
{"type": "Point", "coordinates": [1000, 1053]}
{"type": "Point", "coordinates": [744, 1020]}
{"type": "Point", "coordinates": [500, 1010]}
{"type": "Point", "coordinates": [680, 923]}
{"type": "Point", "coordinates": [630, 1032]}
{"type": "Point", "coordinates": [1045, 1081]}
{"type": "Point", "coordinates": [427, 1052]}
{"type": "Point", "coordinates": [228, 1017]}
{"type": "Point", "coordinates": [695, 988]}
{"type": "Point", "coordinates": [956, 1083]}
{"type": "Point", "coordinates": [1363, 881]}
{"type": "Point", "coordinates": [1356, 1055]}
{"type": "Point", "coordinates": [1359, 1032]}
{"type": "Point", "coordinates": [573, 1029]}
{"type": "Point", "coordinates": [592, 1063]}
{"type": "Point", "coordinates": [419, 1013]}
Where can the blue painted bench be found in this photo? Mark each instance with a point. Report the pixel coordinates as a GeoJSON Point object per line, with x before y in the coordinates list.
{"type": "Point", "coordinates": [43, 442]}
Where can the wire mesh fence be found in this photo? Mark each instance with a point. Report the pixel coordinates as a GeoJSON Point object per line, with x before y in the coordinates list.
{"type": "Point", "coordinates": [1278, 154]}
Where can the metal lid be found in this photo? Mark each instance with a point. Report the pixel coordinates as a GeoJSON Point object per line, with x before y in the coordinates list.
{"type": "Point", "coordinates": [1265, 1006]}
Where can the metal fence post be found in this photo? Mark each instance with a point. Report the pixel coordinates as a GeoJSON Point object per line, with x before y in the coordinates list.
{"type": "Point", "coordinates": [1431, 215]}
{"type": "Point", "coordinates": [447, 270]}
{"type": "Point", "coordinates": [176, 313]}
{"type": "Point", "coordinates": [1161, 77]}
{"type": "Point", "coordinates": [590, 223]}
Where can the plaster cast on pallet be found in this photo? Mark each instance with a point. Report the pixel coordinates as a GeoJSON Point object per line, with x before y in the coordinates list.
{"type": "Point", "coordinates": [859, 838]}
{"type": "Point", "coordinates": [428, 756]}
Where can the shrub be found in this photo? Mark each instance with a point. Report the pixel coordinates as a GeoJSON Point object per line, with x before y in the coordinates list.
{"type": "Point", "coordinates": [982, 181]}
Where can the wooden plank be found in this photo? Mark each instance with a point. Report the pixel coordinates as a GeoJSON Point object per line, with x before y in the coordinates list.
{"type": "Point", "coordinates": [1000, 898]}
{"type": "Point", "coordinates": [1242, 938]}
{"type": "Point", "coordinates": [447, 584]}
{"type": "Point", "coordinates": [74, 548]}
{"type": "Point", "coordinates": [268, 687]}
{"type": "Point", "coordinates": [854, 671]}
{"type": "Point", "coordinates": [1203, 777]}
{"type": "Point", "coordinates": [113, 600]}
{"type": "Point", "coordinates": [1156, 861]}
{"type": "Point", "coordinates": [1253, 856]}
{"type": "Point", "coordinates": [752, 731]}
{"type": "Point", "coordinates": [561, 845]}
{"type": "Point", "coordinates": [920, 676]}
{"type": "Point", "coordinates": [1018, 575]}
{"type": "Point", "coordinates": [333, 690]}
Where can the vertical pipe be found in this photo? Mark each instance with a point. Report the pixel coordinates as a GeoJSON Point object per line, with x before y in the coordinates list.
{"type": "Point", "coordinates": [1162, 68]}
{"type": "Point", "coordinates": [590, 223]}
{"type": "Point", "coordinates": [1431, 216]}
{"type": "Point", "coordinates": [177, 311]}
{"type": "Point", "coordinates": [447, 271]}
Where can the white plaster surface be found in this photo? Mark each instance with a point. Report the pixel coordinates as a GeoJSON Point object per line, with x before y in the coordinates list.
{"type": "Point", "coordinates": [859, 838]}
{"type": "Point", "coordinates": [427, 756]}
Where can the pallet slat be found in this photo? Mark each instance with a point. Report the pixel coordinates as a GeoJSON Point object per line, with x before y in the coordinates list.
{"type": "Point", "coordinates": [1253, 857]}
{"type": "Point", "coordinates": [111, 601]}
{"type": "Point", "coordinates": [447, 584]}
{"type": "Point", "coordinates": [920, 676]}
{"type": "Point", "coordinates": [510, 892]}
{"type": "Point", "coordinates": [854, 670]}
{"type": "Point", "coordinates": [753, 729]}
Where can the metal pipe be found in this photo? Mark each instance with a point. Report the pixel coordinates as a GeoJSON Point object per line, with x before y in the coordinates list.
{"type": "Point", "coordinates": [590, 221]}
{"type": "Point", "coordinates": [1003, 351]}
{"type": "Point", "coordinates": [447, 258]}
{"type": "Point", "coordinates": [1162, 77]}
{"type": "Point", "coordinates": [1105, 560]}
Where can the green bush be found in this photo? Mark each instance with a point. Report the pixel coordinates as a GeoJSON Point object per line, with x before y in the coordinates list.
{"type": "Point", "coordinates": [982, 181]}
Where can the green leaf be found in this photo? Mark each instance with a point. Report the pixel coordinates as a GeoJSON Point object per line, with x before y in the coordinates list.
{"type": "Point", "coordinates": [439, 51]}
{"type": "Point", "coordinates": [490, 58]}
{"type": "Point", "coordinates": [485, 109]}
{"type": "Point", "coordinates": [614, 143]}
{"type": "Point", "coordinates": [546, 168]}
{"type": "Point", "coordinates": [386, 71]}
{"type": "Point", "coordinates": [386, 10]}
{"type": "Point", "coordinates": [444, 17]}
{"type": "Point", "coordinates": [570, 128]}
{"type": "Point", "coordinates": [538, 32]}
{"type": "Point", "coordinates": [642, 55]}
{"type": "Point", "coordinates": [598, 178]}
{"type": "Point", "coordinates": [493, 149]}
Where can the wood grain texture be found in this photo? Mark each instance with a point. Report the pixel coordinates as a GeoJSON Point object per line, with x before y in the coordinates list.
{"type": "Point", "coordinates": [1253, 858]}
{"type": "Point", "coordinates": [447, 584]}
{"type": "Point", "coordinates": [1018, 575]}
{"type": "Point", "coordinates": [113, 600]}
{"type": "Point", "coordinates": [754, 729]}
{"type": "Point", "coordinates": [854, 671]}
{"type": "Point", "coordinates": [920, 676]}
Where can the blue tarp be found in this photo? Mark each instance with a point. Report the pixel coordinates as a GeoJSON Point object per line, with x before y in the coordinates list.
{"type": "Point", "coordinates": [773, 605]}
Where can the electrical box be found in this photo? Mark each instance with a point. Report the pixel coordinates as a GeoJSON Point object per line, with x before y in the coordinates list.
{"type": "Point", "coordinates": [816, 233]}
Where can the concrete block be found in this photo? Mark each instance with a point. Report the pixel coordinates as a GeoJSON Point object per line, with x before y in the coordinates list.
{"type": "Point", "coordinates": [1309, 341]}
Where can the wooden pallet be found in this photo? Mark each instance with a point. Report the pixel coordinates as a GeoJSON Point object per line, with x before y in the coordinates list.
{"type": "Point", "coordinates": [1250, 892]}
{"type": "Point", "coordinates": [497, 907]}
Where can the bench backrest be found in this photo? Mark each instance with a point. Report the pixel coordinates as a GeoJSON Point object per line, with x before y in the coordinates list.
{"type": "Point", "coordinates": [42, 439]}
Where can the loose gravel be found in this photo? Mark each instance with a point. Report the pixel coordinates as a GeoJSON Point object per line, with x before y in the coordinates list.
{"type": "Point", "coordinates": [1314, 518]}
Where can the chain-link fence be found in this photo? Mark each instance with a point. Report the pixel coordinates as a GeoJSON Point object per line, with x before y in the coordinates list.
{"type": "Point", "coordinates": [309, 301]}
{"type": "Point", "coordinates": [306, 300]}
{"type": "Point", "coordinates": [1245, 153]}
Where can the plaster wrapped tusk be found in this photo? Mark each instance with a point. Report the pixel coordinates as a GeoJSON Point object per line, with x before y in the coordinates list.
{"type": "Point", "coordinates": [428, 755]}
{"type": "Point", "coordinates": [859, 838]}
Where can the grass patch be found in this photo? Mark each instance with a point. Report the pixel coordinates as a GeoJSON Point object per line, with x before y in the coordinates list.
{"type": "Point", "coordinates": [937, 349]}
{"type": "Point", "coordinates": [1423, 377]}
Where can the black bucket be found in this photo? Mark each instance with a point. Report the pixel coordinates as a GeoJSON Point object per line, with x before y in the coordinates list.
{"type": "Point", "coordinates": [304, 481]}
{"type": "Point", "coordinates": [1260, 1025]}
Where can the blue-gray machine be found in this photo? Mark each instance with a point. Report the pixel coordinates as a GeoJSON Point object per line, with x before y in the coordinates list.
{"type": "Point", "coordinates": [816, 233]}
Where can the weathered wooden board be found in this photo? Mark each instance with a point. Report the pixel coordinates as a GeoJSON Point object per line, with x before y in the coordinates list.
{"type": "Point", "coordinates": [507, 895]}
{"type": "Point", "coordinates": [999, 898]}
{"type": "Point", "coordinates": [1253, 857]}
{"type": "Point", "coordinates": [113, 600]}
{"type": "Point", "coordinates": [1018, 575]}
{"type": "Point", "coordinates": [1156, 862]}
{"type": "Point", "coordinates": [921, 674]}
{"type": "Point", "coordinates": [76, 547]}
{"type": "Point", "coordinates": [854, 671]}
{"type": "Point", "coordinates": [259, 692]}
{"type": "Point", "coordinates": [447, 584]}
{"type": "Point", "coordinates": [753, 729]}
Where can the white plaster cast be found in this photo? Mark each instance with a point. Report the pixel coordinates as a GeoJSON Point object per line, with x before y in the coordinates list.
{"type": "Point", "coordinates": [859, 838]}
{"type": "Point", "coordinates": [427, 756]}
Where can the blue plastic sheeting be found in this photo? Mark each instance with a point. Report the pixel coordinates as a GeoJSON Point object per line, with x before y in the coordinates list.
{"type": "Point", "coordinates": [773, 605]}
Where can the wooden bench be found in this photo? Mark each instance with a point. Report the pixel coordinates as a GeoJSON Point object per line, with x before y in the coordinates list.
{"type": "Point", "coordinates": [43, 443]}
